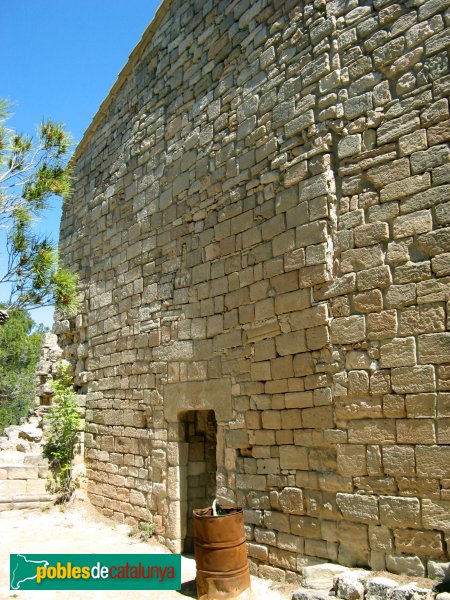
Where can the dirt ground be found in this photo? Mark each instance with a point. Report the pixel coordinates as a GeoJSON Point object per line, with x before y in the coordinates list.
{"type": "Point", "coordinates": [80, 529]}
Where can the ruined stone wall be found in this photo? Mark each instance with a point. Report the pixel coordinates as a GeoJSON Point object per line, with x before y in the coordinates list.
{"type": "Point", "coordinates": [259, 226]}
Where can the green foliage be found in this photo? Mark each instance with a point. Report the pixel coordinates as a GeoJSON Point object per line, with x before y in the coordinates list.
{"type": "Point", "coordinates": [20, 344]}
{"type": "Point", "coordinates": [63, 433]}
{"type": "Point", "coordinates": [31, 172]}
{"type": "Point", "coordinates": [66, 291]}
{"type": "Point", "coordinates": [143, 531]}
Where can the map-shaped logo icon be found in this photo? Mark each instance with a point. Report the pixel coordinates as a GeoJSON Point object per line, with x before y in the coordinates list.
{"type": "Point", "coordinates": [23, 569]}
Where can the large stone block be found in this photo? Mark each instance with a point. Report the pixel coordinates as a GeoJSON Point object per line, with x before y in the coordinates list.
{"type": "Point", "coordinates": [400, 512]}
{"type": "Point", "coordinates": [22, 472]}
{"type": "Point", "coordinates": [411, 380]}
{"type": "Point", "coordinates": [349, 146]}
{"type": "Point", "coordinates": [351, 459]}
{"type": "Point", "coordinates": [405, 565]}
{"type": "Point", "coordinates": [319, 577]}
{"type": "Point", "coordinates": [382, 325]}
{"type": "Point", "coordinates": [435, 514]}
{"type": "Point", "coordinates": [398, 352]}
{"type": "Point", "coordinates": [421, 319]}
{"type": "Point", "coordinates": [348, 330]}
{"type": "Point", "coordinates": [416, 431]}
{"type": "Point", "coordinates": [320, 417]}
{"type": "Point", "coordinates": [310, 317]}
{"type": "Point", "coordinates": [377, 277]}
{"type": "Point", "coordinates": [393, 129]}
{"type": "Point", "coordinates": [359, 508]}
{"type": "Point", "coordinates": [291, 343]}
{"type": "Point", "coordinates": [350, 586]}
{"type": "Point", "coordinates": [405, 187]}
{"type": "Point", "coordinates": [379, 588]}
{"type": "Point", "coordinates": [214, 394]}
{"type": "Point", "coordinates": [433, 461]}
{"type": "Point", "coordinates": [375, 431]}
{"type": "Point", "coordinates": [423, 543]}
{"type": "Point", "coordinates": [434, 348]}
{"type": "Point", "coordinates": [293, 457]}
{"type": "Point", "coordinates": [291, 501]}
{"type": "Point", "coordinates": [428, 159]}
{"type": "Point", "coordinates": [385, 174]}
{"type": "Point", "coordinates": [371, 233]}
{"type": "Point", "coordinates": [13, 487]}
{"type": "Point", "coordinates": [276, 520]}
{"type": "Point", "coordinates": [438, 570]}
{"type": "Point", "coordinates": [399, 460]}
{"type": "Point", "coordinates": [436, 242]}
{"type": "Point", "coordinates": [361, 258]}
{"type": "Point", "coordinates": [413, 223]}
{"type": "Point", "coordinates": [399, 296]}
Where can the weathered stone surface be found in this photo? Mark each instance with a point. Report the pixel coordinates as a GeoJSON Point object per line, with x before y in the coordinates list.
{"type": "Point", "coordinates": [433, 460]}
{"type": "Point", "coordinates": [382, 325]}
{"type": "Point", "coordinates": [30, 433]}
{"type": "Point", "coordinates": [407, 565]}
{"type": "Point", "coordinates": [392, 130]}
{"type": "Point", "coordinates": [410, 590]}
{"type": "Point", "coordinates": [349, 146]}
{"type": "Point", "coordinates": [399, 511]}
{"type": "Point", "coordinates": [436, 515]}
{"type": "Point", "coordinates": [348, 330]}
{"type": "Point", "coordinates": [291, 501]}
{"type": "Point", "coordinates": [414, 223]}
{"type": "Point", "coordinates": [438, 570]}
{"type": "Point", "coordinates": [363, 509]}
{"type": "Point", "coordinates": [198, 395]}
{"type": "Point", "coordinates": [320, 577]}
{"type": "Point", "coordinates": [434, 348]}
{"type": "Point", "coordinates": [310, 595]}
{"type": "Point", "coordinates": [428, 159]}
{"type": "Point", "coordinates": [260, 228]}
{"type": "Point", "coordinates": [413, 380]}
{"type": "Point", "coordinates": [292, 457]}
{"type": "Point", "coordinates": [349, 587]}
{"type": "Point", "coordinates": [418, 542]}
{"type": "Point", "coordinates": [351, 460]}
{"type": "Point", "coordinates": [398, 352]}
{"type": "Point", "coordinates": [378, 588]}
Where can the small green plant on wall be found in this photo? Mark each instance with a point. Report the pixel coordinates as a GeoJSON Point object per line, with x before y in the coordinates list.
{"type": "Point", "coordinates": [144, 530]}
{"type": "Point", "coordinates": [63, 433]}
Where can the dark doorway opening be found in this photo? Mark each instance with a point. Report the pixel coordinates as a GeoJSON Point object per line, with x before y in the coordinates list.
{"type": "Point", "coordinates": [200, 434]}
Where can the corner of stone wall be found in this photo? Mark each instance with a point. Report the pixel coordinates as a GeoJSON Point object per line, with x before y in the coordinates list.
{"type": "Point", "coordinates": [64, 344]}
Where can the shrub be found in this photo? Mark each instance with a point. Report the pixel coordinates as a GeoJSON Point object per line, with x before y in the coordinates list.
{"type": "Point", "coordinates": [63, 433]}
{"type": "Point", "coordinates": [143, 531]}
{"type": "Point", "coordinates": [20, 343]}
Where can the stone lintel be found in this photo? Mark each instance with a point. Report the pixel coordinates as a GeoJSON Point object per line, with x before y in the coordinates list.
{"type": "Point", "coordinates": [198, 395]}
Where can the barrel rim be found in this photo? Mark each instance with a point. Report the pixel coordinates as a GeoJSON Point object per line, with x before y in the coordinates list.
{"type": "Point", "coordinates": [202, 513]}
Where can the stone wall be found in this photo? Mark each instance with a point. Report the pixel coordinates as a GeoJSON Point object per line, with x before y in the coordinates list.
{"type": "Point", "coordinates": [259, 226]}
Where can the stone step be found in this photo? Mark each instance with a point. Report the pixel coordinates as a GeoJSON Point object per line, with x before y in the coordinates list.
{"type": "Point", "coordinates": [35, 459]}
{"type": "Point", "coordinates": [12, 457]}
{"type": "Point", "coordinates": [23, 472]}
{"type": "Point", "coordinates": [26, 501]}
{"type": "Point", "coordinates": [18, 472]}
{"type": "Point", "coordinates": [16, 457]}
{"type": "Point", "coordinates": [21, 487]}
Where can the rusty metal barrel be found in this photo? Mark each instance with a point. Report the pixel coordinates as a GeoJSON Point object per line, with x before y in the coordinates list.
{"type": "Point", "coordinates": [221, 555]}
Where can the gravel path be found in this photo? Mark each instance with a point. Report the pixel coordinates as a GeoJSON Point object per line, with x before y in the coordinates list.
{"type": "Point", "coordinates": [80, 529]}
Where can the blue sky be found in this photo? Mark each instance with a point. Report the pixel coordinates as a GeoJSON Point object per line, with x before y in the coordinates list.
{"type": "Point", "coordinates": [59, 60]}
